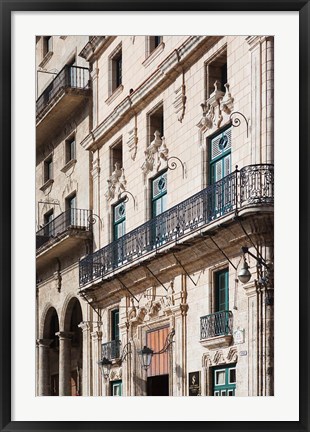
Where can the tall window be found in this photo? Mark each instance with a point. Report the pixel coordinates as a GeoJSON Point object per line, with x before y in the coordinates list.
{"type": "Point", "coordinates": [47, 45]}
{"type": "Point", "coordinates": [154, 41]}
{"type": "Point", "coordinates": [116, 62]}
{"type": "Point", "coordinates": [70, 149]}
{"type": "Point", "coordinates": [48, 169]}
{"type": "Point", "coordinates": [71, 212]}
{"type": "Point", "coordinates": [117, 155]}
{"type": "Point", "coordinates": [216, 70]}
{"type": "Point", "coordinates": [48, 225]}
{"type": "Point", "coordinates": [221, 291]}
{"type": "Point", "coordinates": [115, 325]}
{"type": "Point", "coordinates": [155, 123]}
{"type": "Point", "coordinates": [221, 198]}
{"type": "Point", "coordinates": [159, 194]}
{"type": "Point", "coordinates": [224, 380]}
{"type": "Point", "coordinates": [119, 220]}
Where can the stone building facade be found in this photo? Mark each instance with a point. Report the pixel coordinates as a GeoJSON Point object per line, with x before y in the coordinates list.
{"type": "Point", "coordinates": [154, 170]}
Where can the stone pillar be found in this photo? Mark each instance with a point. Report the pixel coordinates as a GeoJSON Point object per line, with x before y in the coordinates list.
{"type": "Point", "coordinates": [94, 77]}
{"type": "Point", "coordinates": [86, 367]}
{"type": "Point", "coordinates": [44, 379]}
{"type": "Point", "coordinates": [95, 173]}
{"type": "Point", "coordinates": [256, 98]}
{"type": "Point", "coordinates": [64, 363]}
{"type": "Point", "coordinates": [96, 337]}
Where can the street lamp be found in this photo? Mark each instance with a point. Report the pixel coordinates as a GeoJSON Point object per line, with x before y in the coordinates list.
{"type": "Point", "coordinates": [147, 353]}
{"type": "Point", "coordinates": [105, 366]}
{"type": "Point", "coordinates": [244, 274]}
{"type": "Point", "coordinates": [265, 279]}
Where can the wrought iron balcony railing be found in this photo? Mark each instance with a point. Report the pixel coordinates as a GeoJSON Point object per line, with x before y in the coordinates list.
{"type": "Point", "coordinates": [69, 77]}
{"type": "Point", "coordinates": [111, 350]}
{"type": "Point", "coordinates": [251, 186]}
{"type": "Point", "coordinates": [216, 324]}
{"type": "Point", "coordinates": [70, 219]}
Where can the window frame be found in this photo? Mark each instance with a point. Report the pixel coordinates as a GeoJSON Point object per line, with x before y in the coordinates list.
{"type": "Point", "coordinates": [115, 69]}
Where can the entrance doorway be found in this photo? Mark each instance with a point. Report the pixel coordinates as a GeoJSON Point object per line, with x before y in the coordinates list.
{"type": "Point", "coordinates": [158, 385]}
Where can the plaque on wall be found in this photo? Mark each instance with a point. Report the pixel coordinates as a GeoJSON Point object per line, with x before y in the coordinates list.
{"type": "Point", "coordinates": [194, 383]}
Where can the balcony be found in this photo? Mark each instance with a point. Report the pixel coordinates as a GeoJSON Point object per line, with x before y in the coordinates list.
{"type": "Point", "coordinates": [216, 329]}
{"type": "Point", "coordinates": [111, 350]}
{"type": "Point", "coordinates": [244, 190]}
{"type": "Point", "coordinates": [60, 99]}
{"type": "Point", "coordinates": [62, 233]}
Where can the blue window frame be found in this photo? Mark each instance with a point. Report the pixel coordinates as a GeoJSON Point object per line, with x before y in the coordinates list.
{"type": "Point", "coordinates": [224, 380]}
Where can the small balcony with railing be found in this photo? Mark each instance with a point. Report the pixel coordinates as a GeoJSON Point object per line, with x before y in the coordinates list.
{"type": "Point", "coordinates": [243, 192]}
{"type": "Point", "coordinates": [111, 350]}
{"type": "Point", "coordinates": [67, 230]}
{"type": "Point", "coordinates": [216, 329]}
{"type": "Point", "coordinates": [69, 88]}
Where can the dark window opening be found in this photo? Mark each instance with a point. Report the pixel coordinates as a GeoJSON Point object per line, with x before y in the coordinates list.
{"type": "Point", "coordinates": [117, 156]}
{"type": "Point", "coordinates": [48, 169]}
{"type": "Point", "coordinates": [117, 70]}
{"type": "Point", "coordinates": [156, 123]}
{"type": "Point", "coordinates": [217, 71]}
{"type": "Point", "coordinates": [154, 41]}
{"type": "Point", "coordinates": [70, 149]}
{"type": "Point", "coordinates": [47, 45]}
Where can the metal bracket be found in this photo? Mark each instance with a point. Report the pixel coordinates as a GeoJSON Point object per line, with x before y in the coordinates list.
{"type": "Point", "coordinates": [155, 277]}
{"type": "Point", "coordinates": [127, 289]}
{"type": "Point", "coordinates": [181, 265]}
{"type": "Point", "coordinates": [174, 165]}
{"type": "Point", "coordinates": [127, 199]}
{"type": "Point", "coordinates": [236, 121]}
{"type": "Point", "coordinates": [221, 250]}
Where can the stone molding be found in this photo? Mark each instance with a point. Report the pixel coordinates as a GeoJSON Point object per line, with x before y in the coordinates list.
{"type": "Point", "coordinates": [217, 342]}
{"type": "Point", "coordinates": [116, 183]}
{"type": "Point", "coordinates": [215, 108]}
{"type": "Point", "coordinates": [180, 102]}
{"type": "Point", "coordinates": [193, 48]}
{"type": "Point", "coordinates": [155, 154]}
{"type": "Point", "coordinates": [132, 142]}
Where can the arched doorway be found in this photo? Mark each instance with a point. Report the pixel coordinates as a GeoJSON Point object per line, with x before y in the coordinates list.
{"type": "Point", "coordinates": [73, 317]}
{"type": "Point", "coordinates": [49, 355]}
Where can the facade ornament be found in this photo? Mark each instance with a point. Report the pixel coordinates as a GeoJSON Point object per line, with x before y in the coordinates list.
{"type": "Point", "coordinates": [152, 306]}
{"type": "Point", "coordinates": [218, 358]}
{"type": "Point", "coordinates": [115, 374]}
{"type": "Point", "coordinates": [168, 300]}
{"type": "Point", "coordinates": [227, 103]}
{"type": "Point", "coordinates": [116, 182]}
{"type": "Point", "coordinates": [132, 142]}
{"type": "Point", "coordinates": [179, 102]}
{"type": "Point", "coordinates": [232, 355]}
{"type": "Point", "coordinates": [133, 311]}
{"type": "Point", "coordinates": [57, 280]}
{"type": "Point", "coordinates": [155, 154]}
{"type": "Point", "coordinates": [206, 360]}
{"type": "Point", "coordinates": [218, 105]}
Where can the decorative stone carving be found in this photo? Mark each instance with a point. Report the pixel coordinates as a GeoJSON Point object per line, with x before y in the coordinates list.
{"type": "Point", "coordinates": [132, 142]}
{"type": "Point", "coordinates": [218, 104]}
{"type": "Point", "coordinates": [179, 102]}
{"type": "Point", "coordinates": [168, 301]}
{"type": "Point", "coordinates": [57, 280]}
{"type": "Point", "coordinates": [218, 358]}
{"type": "Point", "coordinates": [133, 311]}
{"type": "Point", "coordinates": [115, 374]}
{"type": "Point", "coordinates": [227, 101]}
{"type": "Point", "coordinates": [155, 154]}
{"type": "Point", "coordinates": [116, 183]}
{"type": "Point", "coordinates": [152, 306]}
{"type": "Point", "coordinates": [232, 355]}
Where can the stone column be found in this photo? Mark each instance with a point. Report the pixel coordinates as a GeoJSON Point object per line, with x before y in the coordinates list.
{"type": "Point", "coordinates": [44, 384]}
{"type": "Point", "coordinates": [95, 173]}
{"type": "Point", "coordinates": [96, 349]}
{"type": "Point", "coordinates": [64, 363]}
{"type": "Point", "coordinates": [86, 367]}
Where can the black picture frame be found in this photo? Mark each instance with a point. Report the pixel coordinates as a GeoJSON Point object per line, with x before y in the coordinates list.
{"type": "Point", "coordinates": [7, 7]}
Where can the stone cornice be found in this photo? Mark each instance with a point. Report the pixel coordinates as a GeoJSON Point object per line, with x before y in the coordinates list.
{"type": "Point", "coordinates": [192, 49]}
{"type": "Point", "coordinates": [95, 46]}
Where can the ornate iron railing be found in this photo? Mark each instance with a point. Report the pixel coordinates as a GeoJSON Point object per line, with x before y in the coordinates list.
{"type": "Point", "coordinates": [111, 350]}
{"type": "Point", "coordinates": [252, 185]}
{"type": "Point", "coordinates": [69, 77]}
{"type": "Point", "coordinates": [69, 219]}
{"type": "Point", "coordinates": [216, 324]}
